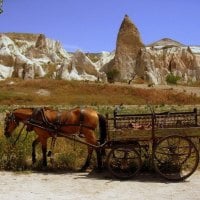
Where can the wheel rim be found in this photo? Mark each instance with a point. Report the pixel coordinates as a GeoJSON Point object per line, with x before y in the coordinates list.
{"type": "Point", "coordinates": [124, 162]}
{"type": "Point", "coordinates": [175, 158]}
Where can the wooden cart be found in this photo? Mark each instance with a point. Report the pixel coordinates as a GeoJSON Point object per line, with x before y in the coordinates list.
{"type": "Point", "coordinates": [161, 140]}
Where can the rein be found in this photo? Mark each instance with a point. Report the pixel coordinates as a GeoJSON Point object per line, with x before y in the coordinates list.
{"type": "Point", "coordinates": [20, 132]}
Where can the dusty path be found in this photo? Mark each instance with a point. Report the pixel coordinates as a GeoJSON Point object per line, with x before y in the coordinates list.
{"type": "Point", "coordinates": [84, 186]}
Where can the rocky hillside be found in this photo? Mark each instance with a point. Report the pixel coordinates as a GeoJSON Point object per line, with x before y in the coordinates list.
{"type": "Point", "coordinates": [165, 57]}
{"type": "Point", "coordinates": [29, 56]}
{"type": "Point", "coordinates": [154, 62]}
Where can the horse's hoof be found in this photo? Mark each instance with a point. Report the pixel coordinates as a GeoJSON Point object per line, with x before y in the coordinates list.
{"type": "Point", "coordinates": [98, 170]}
{"type": "Point", "coordinates": [49, 154]}
{"type": "Point", "coordinates": [83, 169]}
{"type": "Point", "coordinates": [44, 168]}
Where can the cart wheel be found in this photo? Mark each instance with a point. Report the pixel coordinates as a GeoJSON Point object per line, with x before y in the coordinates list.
{"type": "Point", "coordinates": [124, 162]}
{"type": "Point", "coordinates": [175, 157]}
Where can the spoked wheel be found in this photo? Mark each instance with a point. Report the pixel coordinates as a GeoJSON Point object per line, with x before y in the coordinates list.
{"type": "Point", "coordinates": [124, 162]}
{"type": "Point", "coordinates": [175, 157]}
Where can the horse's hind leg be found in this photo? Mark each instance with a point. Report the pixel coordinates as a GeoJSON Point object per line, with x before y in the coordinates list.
{"type": "Point", "coordinates": [99, 159]}
{"type": "Point", "coordinates": [44, 153]}
{"type": "Point", "coordinates": [34, 144]}
{"type": "Point", "coordinates": [87, 162]}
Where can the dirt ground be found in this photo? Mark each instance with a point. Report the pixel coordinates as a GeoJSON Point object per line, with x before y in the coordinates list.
{"type": "Point", "coordinates": [178, 88]}
{"type": "Point", "coordinates": [92, 186]}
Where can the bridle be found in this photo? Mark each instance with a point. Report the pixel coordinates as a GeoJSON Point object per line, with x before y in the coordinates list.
{"type": "Point", "coordinates": [10, 118]}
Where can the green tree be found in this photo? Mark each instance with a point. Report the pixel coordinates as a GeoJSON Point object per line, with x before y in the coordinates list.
{"type": "Point", "coordinates": [1, 6]}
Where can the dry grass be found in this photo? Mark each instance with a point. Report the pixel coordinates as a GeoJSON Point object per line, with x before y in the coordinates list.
{"type": "Point", "coordinates": [85, 93]}
{"type": "Point", "coordinates": [72, 93]}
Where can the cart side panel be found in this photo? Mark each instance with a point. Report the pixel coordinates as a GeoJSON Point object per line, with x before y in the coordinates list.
{"type": "Point", "coordinates": [128, 126]}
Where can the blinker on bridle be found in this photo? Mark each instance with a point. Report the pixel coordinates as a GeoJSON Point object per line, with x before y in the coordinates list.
{"type": "Point", "coordinates": [11, 118]}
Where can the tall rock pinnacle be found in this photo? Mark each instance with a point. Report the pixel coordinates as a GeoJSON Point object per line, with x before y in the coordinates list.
{"type": "Point", "coordinates": [128, 46]}
{"type": "Point", "coordinates": [41, 42]}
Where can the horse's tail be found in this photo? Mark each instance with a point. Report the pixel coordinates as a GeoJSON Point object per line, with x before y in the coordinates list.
{"type": "Point", "coordinates": [102, 128]}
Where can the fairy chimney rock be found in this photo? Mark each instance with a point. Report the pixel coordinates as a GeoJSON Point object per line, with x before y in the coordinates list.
{"type": "Point", "coordinates": [128, 46]}
{"type": "Point", "coordinates": [41, 42]}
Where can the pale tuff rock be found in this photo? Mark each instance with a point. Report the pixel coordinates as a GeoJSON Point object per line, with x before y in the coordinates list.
{"type": "Point", "coordinates": [7, 49]}
{"type": "Point", "coordinates": [80, 68]}
{"type": "Point", "coordinates": [83, 64]}
{"type": "Point", "coordinates": [104, 58]}
{"type": "Point", "coordinates": [127, 48]}
{"type": "Point", "coordinates": [31, 55]}
{"type": "Point", "coordinates": [5, 72]}
{"type": "Point", "coordinates": [156, 62]}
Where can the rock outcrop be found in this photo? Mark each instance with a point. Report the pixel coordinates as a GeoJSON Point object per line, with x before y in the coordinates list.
{"type": "Point", "coordinates": [80, 67]}
{"type": "Point", "coordinates": [156, 62]}
{"type": "Point", "coordinates": [128, 47]}
{"type": "Point", "coordinates": [30, 56]}
{"type": "Point", "coordinates": [33, 55]}
{"type": "Point", "coordinates": [41, 42]}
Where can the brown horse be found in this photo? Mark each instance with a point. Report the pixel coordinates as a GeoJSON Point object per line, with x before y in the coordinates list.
{"type": "Point", "coordinates": [51, 123]}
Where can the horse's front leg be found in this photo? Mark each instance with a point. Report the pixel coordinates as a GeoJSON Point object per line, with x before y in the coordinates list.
{"type": "Point", "coordinates": [44, 153]}
{"type": "Point", "coordinates": [34, 144]}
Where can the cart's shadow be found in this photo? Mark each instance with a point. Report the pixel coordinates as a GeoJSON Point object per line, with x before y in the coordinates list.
{"type": "Point", "coordinates": [141, 177]}
{"type": "Point", "coordinates": [104, 174]}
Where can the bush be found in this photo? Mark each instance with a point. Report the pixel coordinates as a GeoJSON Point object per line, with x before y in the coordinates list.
{"type": "Point", "coordinates": [172, 79]}
{"type": "Point", "coordinates": [15, 157]}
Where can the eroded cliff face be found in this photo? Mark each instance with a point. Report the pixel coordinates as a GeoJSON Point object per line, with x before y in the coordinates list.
{"type": "Point", "coordinates": [29, 56]}
{"type": "Point", "coordinates": [80, 67]}
{"type": "Point", "coordinates": [155, 61]}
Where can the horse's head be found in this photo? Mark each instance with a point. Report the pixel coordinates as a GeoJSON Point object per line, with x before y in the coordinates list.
{"type": "Point", "coordinates": [10, 124]}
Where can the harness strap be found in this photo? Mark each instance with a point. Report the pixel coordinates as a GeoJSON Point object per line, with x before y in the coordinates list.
{"type": "Point", "coordinates": [58, 118]}
{"type": "Point", "coordinates": [44, 121]}
{"type": "Point", "coordinates": [53, 142]}
{"type": "Point", "coordinates": [81, 124]}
